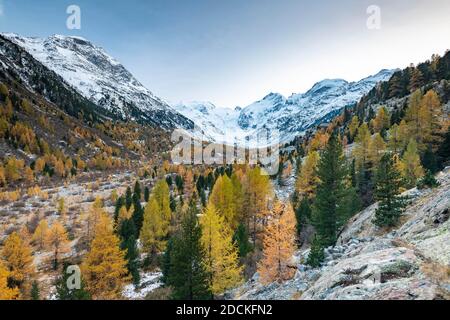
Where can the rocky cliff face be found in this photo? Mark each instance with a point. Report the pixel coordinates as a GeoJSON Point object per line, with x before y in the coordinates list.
{"type": "Point", "coordinates": [411, 262]}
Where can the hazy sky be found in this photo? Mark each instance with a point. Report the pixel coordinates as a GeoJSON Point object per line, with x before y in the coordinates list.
{"type": "Point", "coordinates": [233, 52]}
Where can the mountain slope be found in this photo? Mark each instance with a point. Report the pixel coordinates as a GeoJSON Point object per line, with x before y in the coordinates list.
{"type": "Point", "coordinates": [290, 116]}
{"type": "Point", "coordinates": [101, 79]}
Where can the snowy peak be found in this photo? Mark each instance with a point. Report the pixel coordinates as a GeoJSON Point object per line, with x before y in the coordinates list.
{"type": "Point", "coordinates": [291, 116]}
{"type": "Point", "coordinates": [100, 78]}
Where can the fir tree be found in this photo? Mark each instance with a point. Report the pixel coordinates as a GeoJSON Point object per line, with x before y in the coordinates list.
{"type": "Point", "coordinates": [128, 244]}
{"type": "Point", "coordinates": [35, 292]}
{"type": "Point", "coordinates": [64, 292]}
{"type": "Point", "coordinates": [387, 190]}
{"type": "Point", "coordinates": [330, 209]}
{"type": "Point", "coordinates": [316, 255]}
{"type": "Point", "coordinates": [241, 238]}
{"type": "Point", "coordinates": [146, 194]}
{"type": "Point", "coordinates": [128, 198]}
{"type": "Point", "coordinates": [187, 275]}
{"type": "Point", "coordinates": [302, 215]}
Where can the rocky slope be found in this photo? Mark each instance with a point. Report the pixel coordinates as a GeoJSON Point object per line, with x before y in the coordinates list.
{"type": "Point", "coordinates": [408, 263]}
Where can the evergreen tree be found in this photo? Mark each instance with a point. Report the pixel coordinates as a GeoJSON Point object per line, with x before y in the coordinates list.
{"type": "Point", "coordinates": [128, 244]}
{"type": "Point", "coordinates": [146, 194]}
{"type": "Point", "coordinates": [443, 152]}
{"type": "Point", "coordinates": [128, 198]}
{"type": "Point", "coordinates": [316, 255]}
{"type": "Point", "coordinates": [302, 215]}
{"type": "Point", "coordinates": [138, 213]}
{"type": "Point", "coordinates": [35, 292]}
{"type": "Point", "coordinates": [429, 160]}
{"type": "Point", "coordinates": [64, 293]}
{"type": "Point", "coordinates": [137, 189]}
{"type": "Point", "coordinates": [330, 209]}
{"type": "Point", "coordinates": [387, 190]}
{"type": "Point", "coordinates": [187, 275]}
{"type": "Point", "coordinates": [241, 238]}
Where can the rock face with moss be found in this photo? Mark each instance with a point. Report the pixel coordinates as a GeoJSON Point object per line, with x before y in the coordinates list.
{"type": "Point", "coordinates": [409, 262]}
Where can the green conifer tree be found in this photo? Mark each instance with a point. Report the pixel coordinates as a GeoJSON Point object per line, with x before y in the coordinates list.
{"type": "Point", "coordinates": [387, 190]}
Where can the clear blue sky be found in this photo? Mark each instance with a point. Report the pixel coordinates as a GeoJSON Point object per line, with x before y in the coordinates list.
{"type": "Point", "coordinates": [233, 52]}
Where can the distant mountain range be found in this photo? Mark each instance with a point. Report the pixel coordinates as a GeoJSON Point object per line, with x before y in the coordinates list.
{"type": "Point", "coordinates": [290, 116]}
{"type": "Point", "coordinates": [102, 80]}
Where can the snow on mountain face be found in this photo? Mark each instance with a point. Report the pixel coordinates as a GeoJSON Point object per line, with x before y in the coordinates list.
{"type": "Point", "coordinates": [291, 116]}
{"type": "Point", "coordinates": [100, 78]}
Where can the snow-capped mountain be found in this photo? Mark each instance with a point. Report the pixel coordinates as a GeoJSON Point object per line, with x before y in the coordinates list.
{"type": "Point", "coordinates": [290, 116]}
{"type": "Point", "coordinates": [100, 78]}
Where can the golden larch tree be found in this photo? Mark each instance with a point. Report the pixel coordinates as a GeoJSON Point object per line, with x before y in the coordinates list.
{"type": "Point", "coordinates": [222, 197]}
{"type": "Point", "coordinates": [16, 254]}
{"type": "Point", "coordinates": [40, 234]}
{"type": "Point", "coordinates": [6, 293]}
{"type": "Point", "coordinates": [104, 266]}
{"type": "Point", "coordinates": [307, 179]}
{"type": "Point", "coordinates": [57, 241]}
{"type": "Point", "coordinates": [278, 245]}
{"type": "Point", "coordinates": [221, 258]}
{"type": "Point", "coordinates": [154, 229]}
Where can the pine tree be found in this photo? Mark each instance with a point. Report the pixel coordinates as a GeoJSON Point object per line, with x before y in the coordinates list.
{"type": "Point", "coordinates": [16, 254]}
{"type": "Point", "coordinates": [146, 194]}
{"type": "Point", "coordinates": [387, 190]}
{"type": "Point", "coordinates": [63, 292]}
{"type": "Point", "coordinates": [187, 275]}
{"type": "Point", "coordinates": [57, 241]}
{"type": "Point", "coordinates": [316, 255]}
{"type": "Point", "coordinates": [35, 292]}
{"type": "Point", "coordinates": [302, 215]}
{"type": "Point", "coordinates": [128, 198]}
{"type": "Point", "coordinates": [104, 266]}
{"type": "Point", "coordinates": [6, 293]}
{"type": "Point", "coordinates": [241, 238]}
{"type": "Point", "coordinates": [330, 209]}
{"type": "Point", "coordinates": [129, 244]}
{"type": "Point", "coordinates": [221, 254]}
{"type": "Point", "coordinates": [278, 245]}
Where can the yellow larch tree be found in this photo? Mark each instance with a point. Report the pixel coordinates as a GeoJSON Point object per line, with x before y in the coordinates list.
{"type": "Point", "coordinates": [382, 120]}
{"type": "Point", "coordinates": [57, 241]}
{"type": "Point", "coordinates": [40, 234]}
{"type": "Point", "coordinates": [257, 194]}
{"type": "Point", "coordinates": [353, 127]}
{"type": "Point", "coordinates": [222, 197]}
{"type": "Point", "coordinates": [362, 142]}
{"type": "Point", "coordinates": [104, 266]}
{"type": "Point", "coordinates": [16, 254]}
{"type": "Point", "coordinates": [377, 148]}
{"type": "Point", "coordinates": [278, 245]}
{"type": "Point", "coordinates": [6, 293]}
{"type": "Point", "coordinates": [412, 167]}
{"type": "Point", "coordinates": [307, 179]}
{"type": "Point", "coordinates": [221, 260]}
{"type": "Point", "coordinates": [431, 116]}
{"type": "Point", "coordinates": [154, 228]}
